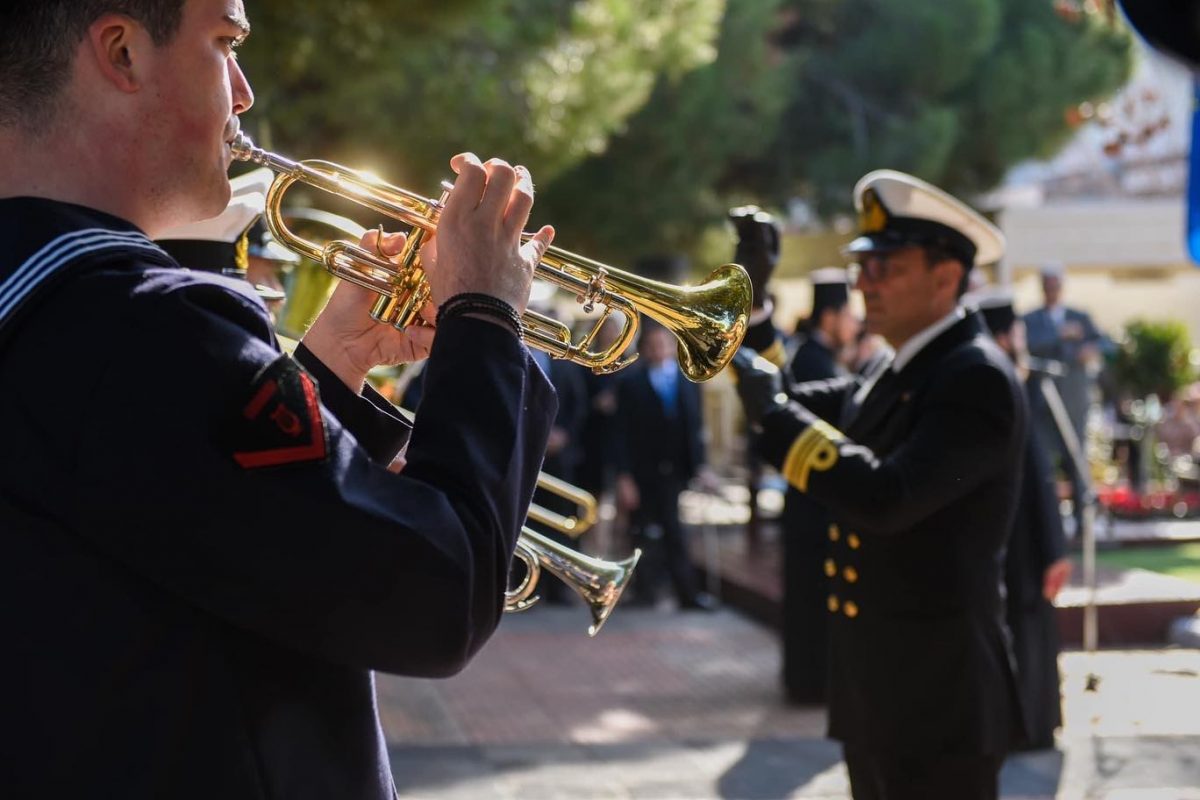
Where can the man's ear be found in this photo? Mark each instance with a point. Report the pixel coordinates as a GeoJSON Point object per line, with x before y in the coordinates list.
{"type": "Point", "coordinates": [948, 272]}
{"type": "Point", "coordinates": [118, 45]}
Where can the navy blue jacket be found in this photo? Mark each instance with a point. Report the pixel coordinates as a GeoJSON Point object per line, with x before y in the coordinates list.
{"type": "Point", "coordinates": [921, 473]}
{"type": "Point", "coordinates": [205, 556]}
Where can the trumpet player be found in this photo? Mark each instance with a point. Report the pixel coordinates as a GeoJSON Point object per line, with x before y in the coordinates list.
{"type": "Point", "coordinates": [203, 566]}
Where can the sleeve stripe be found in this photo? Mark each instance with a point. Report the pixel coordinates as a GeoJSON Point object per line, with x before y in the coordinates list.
{"type": "Point", "coordinates": [814, 449]}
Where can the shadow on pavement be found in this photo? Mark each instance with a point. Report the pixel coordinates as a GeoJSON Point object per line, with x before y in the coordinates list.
{"type": "Point", "coordinates": [774, 768]}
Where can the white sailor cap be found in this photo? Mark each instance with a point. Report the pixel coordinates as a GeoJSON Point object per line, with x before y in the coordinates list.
{"type": "Point", "coordinates": [898, 210]}
{"type": "Point", "coordinates": [218, 244]}
{"type": "Point", "coordinates": [995, 302]}
{"type": "Point", "coordinates": [254, 182]}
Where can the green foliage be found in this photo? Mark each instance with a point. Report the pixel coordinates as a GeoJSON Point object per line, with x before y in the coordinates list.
{"type": "Point", "coordinates": [1153, 358]}
{"type": "Point", "coordinates": [401, 87]}
{"type": "Point", "coordinates": [955, 93]}
{"type": "Point", "coordinates": [643, 122]}
{"type": "Point", "coordinates": [660, 180]}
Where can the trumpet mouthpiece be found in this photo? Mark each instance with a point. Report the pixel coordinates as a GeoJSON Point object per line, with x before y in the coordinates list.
{"type": "Point", "coordinates": [243, 148]}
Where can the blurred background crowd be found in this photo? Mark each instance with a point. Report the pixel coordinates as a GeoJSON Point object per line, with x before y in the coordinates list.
{"type": "Point", "coordinates": [645, 123]}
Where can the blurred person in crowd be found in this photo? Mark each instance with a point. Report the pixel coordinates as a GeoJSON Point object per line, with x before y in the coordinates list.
{"type": "Point", "coordinates": [660, 449]}
{"type": "Point", "coordinates": [920, 468]}
{"type": "Point", "coordinates": [202, 572]}
{"type": "Point", "coordinates": [563, 447]}
{"type": "Point", "coordinates": [831, 328]}
{"type": "Point", "coordinates": [1068, 337]}
{"type": "Point", "coordinates": [1179, 428]}
{"type": "Point", "coordinates": [269, 261]}
{"type": "Point", "coordinates": [597, 467]}
{"type": "Point", "coordinates": [1036, 566]}
{"type": "Point", "coordinates": [757, 248]}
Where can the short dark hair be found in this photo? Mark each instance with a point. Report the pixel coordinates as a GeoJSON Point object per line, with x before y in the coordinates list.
{"type": "Point", "coordinates": [38, 39]}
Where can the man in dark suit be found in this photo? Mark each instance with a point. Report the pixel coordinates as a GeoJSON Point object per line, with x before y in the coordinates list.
{"type": "Point", "coordinates": [563, 451]}
{"type": "Point", "coordinates": [1066, 335]}
{"type": "Point", "coordinates": [1036, 565]}
{"type": "Point", "coordinates": [831, 326]}
{"type": "Point", "coordinates": [920, 469]}
{"type": "Point", "coordinates": [659, 450]}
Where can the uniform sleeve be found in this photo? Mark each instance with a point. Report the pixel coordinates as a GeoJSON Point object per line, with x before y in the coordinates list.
{"type": "Point", "coordinates": [825, 398]}
{"type": "Point", "coordinates": [377, 425]}
{"type": "Point", "coordinates": [187, 477]}
{"type": "Point", "coordinates": [965, 428]}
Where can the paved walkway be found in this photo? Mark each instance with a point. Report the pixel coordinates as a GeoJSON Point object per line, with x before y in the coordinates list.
{"type": "Point", "coordinates": [668, 705]}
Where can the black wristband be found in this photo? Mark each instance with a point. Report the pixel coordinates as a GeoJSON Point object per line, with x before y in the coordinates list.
{"type": "Point", "coordinates": [475, 303]}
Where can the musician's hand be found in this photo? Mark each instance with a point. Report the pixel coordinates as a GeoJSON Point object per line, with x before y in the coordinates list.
{"type": "Point", "coordinates": [350, 343]}
{"type": "Point", "coordinates": [759, 384]}
{"type": "Point", "coordinates": [479, 234]}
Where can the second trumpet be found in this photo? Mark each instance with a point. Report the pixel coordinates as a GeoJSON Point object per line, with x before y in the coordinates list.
{"type": "Point", "coordinates": [708, 320]}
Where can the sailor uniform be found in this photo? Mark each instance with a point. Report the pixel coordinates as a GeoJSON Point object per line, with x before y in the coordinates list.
{"type": "Point", "coordinates": [205, 554]}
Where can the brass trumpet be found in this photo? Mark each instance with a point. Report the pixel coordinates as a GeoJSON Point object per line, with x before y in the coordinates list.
{"type": "Point", "coordinates": [573, 526]}
{"type": "Point", "coordinates": [599, 582]}
{"type": "Point", "coordinates": [709, 320]}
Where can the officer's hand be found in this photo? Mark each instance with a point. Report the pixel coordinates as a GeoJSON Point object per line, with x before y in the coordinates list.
{"type": "Point", "coordinates": [758, 242]}
{"type": "Point", "coordinates": [350, 343]}
{"type": "Point", "coordinates": [479, 246]}
{"type": "Point", "coordinates": [759, 384]}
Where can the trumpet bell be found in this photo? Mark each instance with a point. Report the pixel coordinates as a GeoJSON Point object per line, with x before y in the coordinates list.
{"type": "Point", "coordinates": [600, 583]}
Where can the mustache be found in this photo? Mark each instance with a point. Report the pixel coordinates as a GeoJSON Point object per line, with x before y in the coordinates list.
{"type": "Point", "coordinates": [232, 128]}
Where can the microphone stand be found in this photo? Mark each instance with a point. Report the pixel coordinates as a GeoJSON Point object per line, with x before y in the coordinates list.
{"type": "Point", "coordinates": [1074, 448]}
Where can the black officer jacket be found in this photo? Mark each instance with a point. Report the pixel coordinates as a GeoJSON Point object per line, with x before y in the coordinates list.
{"type": "Point", "coordinates": [921, 481]}
{"type": "Point", "coordinates": [190, 607]}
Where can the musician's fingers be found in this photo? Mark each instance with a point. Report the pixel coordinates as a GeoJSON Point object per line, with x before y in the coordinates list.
{"type": "Point", "coordinates": [500, 181]}
{"type": "Point", "coordinates": [521, 201]}
{"type": "Point", "coordinates": [468, 187]}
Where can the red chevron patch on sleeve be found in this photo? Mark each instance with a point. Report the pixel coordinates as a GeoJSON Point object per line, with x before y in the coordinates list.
{"type": "Point", "coordinates": [281, 424]}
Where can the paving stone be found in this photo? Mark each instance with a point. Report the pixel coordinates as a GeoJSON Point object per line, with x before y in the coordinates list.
{"type": "Point", "coordinates": [667, 706]}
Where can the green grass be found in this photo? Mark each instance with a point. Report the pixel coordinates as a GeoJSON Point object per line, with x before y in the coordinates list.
{"type": "Point", "coordinates": [1179, 560]}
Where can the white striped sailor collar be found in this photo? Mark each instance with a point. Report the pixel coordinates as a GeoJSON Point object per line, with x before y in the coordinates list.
{"type": "Point", "coordinates": [68, 233]}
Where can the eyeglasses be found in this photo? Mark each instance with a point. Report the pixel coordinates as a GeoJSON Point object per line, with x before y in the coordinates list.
{"type": "Point", "coordinates": [872, 268]}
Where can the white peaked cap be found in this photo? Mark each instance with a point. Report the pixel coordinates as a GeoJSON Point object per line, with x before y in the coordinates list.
{"type": "Point", "coordinates": [896, 209]}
